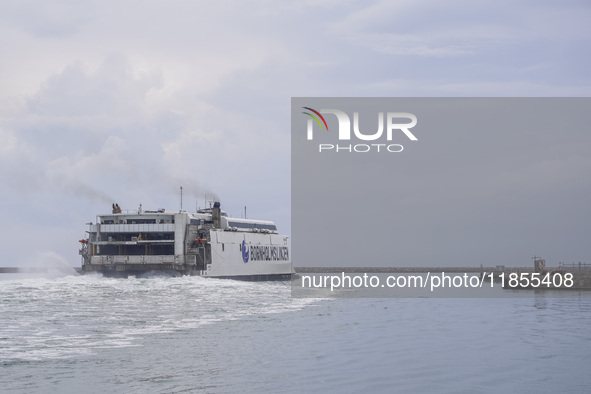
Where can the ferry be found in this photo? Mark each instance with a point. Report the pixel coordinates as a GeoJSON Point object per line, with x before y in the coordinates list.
{"type": "Point", "coordinates": [206, 243]}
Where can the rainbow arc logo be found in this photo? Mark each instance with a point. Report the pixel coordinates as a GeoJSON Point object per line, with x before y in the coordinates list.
{"type": "Point", "coordinates": [315, 118]}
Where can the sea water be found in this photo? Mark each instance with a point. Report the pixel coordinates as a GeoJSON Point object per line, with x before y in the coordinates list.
{"type": "Point", "coordinates": [90, 334]}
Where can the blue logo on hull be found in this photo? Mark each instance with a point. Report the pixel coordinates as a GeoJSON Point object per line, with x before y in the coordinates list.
{"type": "Point", "coordinates": [245, 252]}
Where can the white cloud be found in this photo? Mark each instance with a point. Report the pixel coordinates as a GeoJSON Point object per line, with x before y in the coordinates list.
{"type": "Point", "coordinates": [113, 89]}
{"type": "Point", "coordinates": [49, 18]}
{"type": "Point", "coordinates": [460, 27]}
{"type": "Point", "coordinates": [405, 44]}
{"type": "Point", "coordinates": [9, 142]}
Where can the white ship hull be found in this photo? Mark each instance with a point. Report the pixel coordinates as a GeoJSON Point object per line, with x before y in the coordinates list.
{"type": "Point", "coordinates": [206, 243]}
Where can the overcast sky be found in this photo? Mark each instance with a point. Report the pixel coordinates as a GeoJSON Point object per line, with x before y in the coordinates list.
{"type": "Point", "coordinates": [126, 101]}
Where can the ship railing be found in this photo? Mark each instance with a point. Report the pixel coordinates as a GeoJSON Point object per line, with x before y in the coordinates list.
{"type": "Point", "coordinates": [575, 266]}
{"type": "Point", "coordinates": [133, 228]}
{"type": "Point", "coordinates": [159, 259]}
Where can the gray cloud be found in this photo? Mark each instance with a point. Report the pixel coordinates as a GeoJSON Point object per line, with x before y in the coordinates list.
{"type": "Point", "coordinates": [108, 100]}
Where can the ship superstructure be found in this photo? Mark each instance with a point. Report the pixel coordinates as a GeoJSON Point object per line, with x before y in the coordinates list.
{"type": "Point", "coordinates": [205, 243]}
